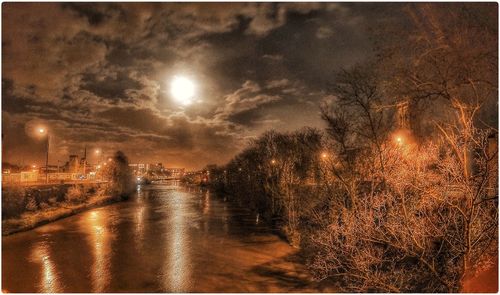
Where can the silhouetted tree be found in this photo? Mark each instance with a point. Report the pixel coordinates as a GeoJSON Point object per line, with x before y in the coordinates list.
{"type": "Point", "coordinates": [120, 176]}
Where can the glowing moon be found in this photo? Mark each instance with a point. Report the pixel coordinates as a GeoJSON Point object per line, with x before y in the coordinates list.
{"type": "Point", "coordinates": [182, 90]}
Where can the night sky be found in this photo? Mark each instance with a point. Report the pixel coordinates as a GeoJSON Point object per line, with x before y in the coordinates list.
{"type": "Point", "coordinates": [98, 75]}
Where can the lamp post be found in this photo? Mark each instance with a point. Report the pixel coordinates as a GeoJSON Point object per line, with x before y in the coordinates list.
{"type": "Point", "coordinates": [99, 155]}
{"type": "Point", "coordinates": [43, 131]}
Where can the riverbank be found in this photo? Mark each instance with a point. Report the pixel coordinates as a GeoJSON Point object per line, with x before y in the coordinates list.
{"type": "Point", "coordinates": [24, 208]}
{"type": "Point", "coordinates": [484, 280]}
{"type": "Point", "coordinates": [30, 220]}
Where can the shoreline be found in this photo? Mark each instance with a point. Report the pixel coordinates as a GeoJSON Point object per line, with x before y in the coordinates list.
{"type": "Point", "coordinates": [32, 220]}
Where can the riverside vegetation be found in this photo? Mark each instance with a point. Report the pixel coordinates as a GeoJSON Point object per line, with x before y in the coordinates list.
{"type": "Point", "coordinates": [26, 207]}
{"type": "Point", "coordinates": [380, 206]}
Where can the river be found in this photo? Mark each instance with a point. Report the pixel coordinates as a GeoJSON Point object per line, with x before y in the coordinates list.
{"type": "Point", "coordinates": [166, 238]}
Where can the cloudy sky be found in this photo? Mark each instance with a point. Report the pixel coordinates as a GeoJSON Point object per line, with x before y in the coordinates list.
{"type": "Point", "coordinates": [99, 75]}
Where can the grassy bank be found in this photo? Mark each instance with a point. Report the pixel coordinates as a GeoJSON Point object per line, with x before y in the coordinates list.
{"type": "Point", "coordinates": [31, 219]}
{"type": "Point", "coordinates": [24, 208]}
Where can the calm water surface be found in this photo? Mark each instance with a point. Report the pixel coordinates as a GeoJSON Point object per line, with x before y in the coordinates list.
{"type": "Point", "coordinates": [165, 239]}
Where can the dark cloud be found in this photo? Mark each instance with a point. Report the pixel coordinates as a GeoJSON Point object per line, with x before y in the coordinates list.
{"type": "Point", "coordinates": [95, 15]}
{"type": "Point", "coordinates": [111, 87]}
{"type": "Point", "coordinates": [98, 74]}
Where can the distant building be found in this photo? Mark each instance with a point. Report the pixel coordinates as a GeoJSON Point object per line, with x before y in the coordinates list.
{"type": "Point", "coordinates": [175, 173]}
{"type": "Point", "coordinates": [156, 171]}
{"type": "Point", "coordinates": [50, 169]}
{"type": "Point", "coordinates": [21, 178]}
{"type": "Point", "coordinates": [155, 168]}
{"type": "Point", "coordinates": [73, 165]}
{"type": "Point", "coordinates": [139, 169]}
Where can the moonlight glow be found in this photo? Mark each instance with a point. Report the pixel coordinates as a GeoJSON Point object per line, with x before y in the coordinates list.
{"type": "Point", "coordinates": [182, 90]}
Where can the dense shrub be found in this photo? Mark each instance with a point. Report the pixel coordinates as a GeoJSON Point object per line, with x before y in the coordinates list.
{"type": "Point", "coordinates": [120, 177]}
{"type": "Point", "coordinates": [76, 194]}
{"type": "Point", "coordinates": [13, 202]}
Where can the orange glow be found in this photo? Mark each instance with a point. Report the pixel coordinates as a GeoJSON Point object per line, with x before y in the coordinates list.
{"type": "Point", "coordinates": [403, 137]}
{"type": "Point", "coordinates": [49, 277]}
{"type": "Point", "coordinates": [99, 237]}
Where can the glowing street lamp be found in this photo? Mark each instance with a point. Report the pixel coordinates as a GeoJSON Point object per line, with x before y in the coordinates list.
{"type": "Point", "coordinates": [98, 153]}
{"type": "Point", "coordinates": [324, 155]}
{"type": "Point", "coordinates": [273, 161]}
{"type": "Point", "coordinates": [43, 131]}
{"type": "Point", "coordinates": [399, 140]}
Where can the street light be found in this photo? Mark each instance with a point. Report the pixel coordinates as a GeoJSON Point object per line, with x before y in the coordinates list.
{"type": "Point", "coordinates": [273, 161]}
{"type": "Point", "coordinates": [324, 155]}
{"type": "Point", "coordinates": [42, 131]}
{"type": "Point", "coordinates": [98, 153]}
{"type": "Point", "coordinates": [399, 140]}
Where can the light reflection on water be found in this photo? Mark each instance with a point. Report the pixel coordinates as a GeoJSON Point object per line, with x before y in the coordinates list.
{"type": "Point", "coordinates": [99, 238]}
{"type": "Point", "coordinates": [165, 239]}
{"type": "Point", "coordinates": [177, 266]}
{"type": "Point", "coordinates": [49, 282]}
{"type": "Point", "coordinates": [206, 211]}
{"type": "Point", "coordinates": [139, 221]}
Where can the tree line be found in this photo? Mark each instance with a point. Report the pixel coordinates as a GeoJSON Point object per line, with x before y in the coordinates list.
{"type": "Point", "coordinates": [399, 192]}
